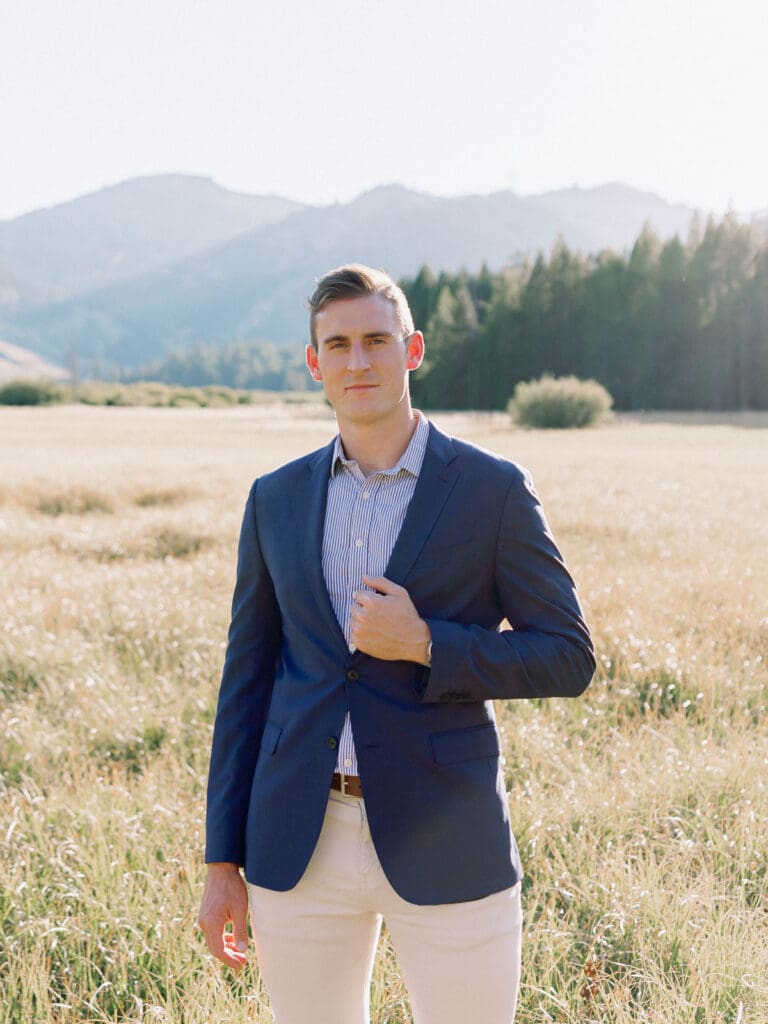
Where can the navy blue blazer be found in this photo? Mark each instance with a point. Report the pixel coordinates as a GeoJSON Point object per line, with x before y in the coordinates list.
{"type": "Point", "coordinates": [474, 549]}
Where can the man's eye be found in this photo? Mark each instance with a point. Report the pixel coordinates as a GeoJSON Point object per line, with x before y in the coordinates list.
{"type": "Point", "coordinates": [379, 341]}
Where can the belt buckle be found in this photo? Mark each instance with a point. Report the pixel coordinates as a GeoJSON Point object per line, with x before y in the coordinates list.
{"type": "Point", "coordinates": [343, 783]}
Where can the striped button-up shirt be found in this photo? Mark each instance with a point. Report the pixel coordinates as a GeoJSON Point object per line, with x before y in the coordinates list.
{"type": "Point", "coordinates": [363, 518]}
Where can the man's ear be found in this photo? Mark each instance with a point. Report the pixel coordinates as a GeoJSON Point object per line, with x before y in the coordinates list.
{"type": "Point", "coordinates": [312, 364]}
{"type": "Point", "coordinates": [415, 350]}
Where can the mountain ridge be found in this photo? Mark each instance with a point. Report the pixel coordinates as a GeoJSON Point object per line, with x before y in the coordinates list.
{"type": "Point", "coordinates": [240, 269]}
{"type": "Point", "coordinates": [20, 364]}
{"type": "Point", "coordinates": [123, 230]}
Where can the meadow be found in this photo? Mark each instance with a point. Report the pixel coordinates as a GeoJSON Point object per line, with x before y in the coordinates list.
{"type": "Point", "coordinates": [640, 809]}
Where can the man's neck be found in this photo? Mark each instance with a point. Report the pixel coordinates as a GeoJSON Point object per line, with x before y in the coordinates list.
{"type": "Point", "coordinates": [375, 448]}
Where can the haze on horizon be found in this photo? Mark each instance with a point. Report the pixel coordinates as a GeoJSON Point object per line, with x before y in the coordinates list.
{"type": "Point", "coordinates": [322, 102]}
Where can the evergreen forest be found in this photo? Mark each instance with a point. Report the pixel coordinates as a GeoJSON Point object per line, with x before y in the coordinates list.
{"type": "Point", "coordinates": [667, 325]}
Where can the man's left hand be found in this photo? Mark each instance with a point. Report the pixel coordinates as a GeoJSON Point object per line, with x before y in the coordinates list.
{"type": "Point", "coordinates": [384, 623]}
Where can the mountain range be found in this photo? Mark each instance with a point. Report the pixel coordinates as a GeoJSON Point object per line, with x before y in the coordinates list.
{"type": "Point", "coordinates": [126, 274]}
{"type": "Point", "coordinates": [21, 364]}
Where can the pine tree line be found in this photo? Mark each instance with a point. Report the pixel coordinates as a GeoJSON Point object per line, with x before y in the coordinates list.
{"type": "Point", "coordinates": [667, 326]}
{"type": "Point", "coordinates": [252, 365]}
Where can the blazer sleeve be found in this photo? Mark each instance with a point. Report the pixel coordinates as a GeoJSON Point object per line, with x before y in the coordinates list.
{"type": "Point", "coordinates": [253, 649]}
{"type": "Point", "coordinates": [548, 651]}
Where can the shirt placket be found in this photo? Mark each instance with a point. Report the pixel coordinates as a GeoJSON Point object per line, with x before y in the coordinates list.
{"type": "Point", "coordinates": [357, 564]}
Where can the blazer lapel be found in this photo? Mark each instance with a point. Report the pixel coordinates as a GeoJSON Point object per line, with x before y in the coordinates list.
{"type": "Point", "coordinates": [313, 504]}
{"type": "Point", "coordinates": [436, 481]}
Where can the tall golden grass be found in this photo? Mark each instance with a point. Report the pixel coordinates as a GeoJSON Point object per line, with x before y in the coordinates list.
{"type": "Point", "coordinates": [640, 809]}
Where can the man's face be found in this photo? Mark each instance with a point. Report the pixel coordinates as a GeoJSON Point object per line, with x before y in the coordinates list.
{"type": "Point", "coordinates": [362, 359]}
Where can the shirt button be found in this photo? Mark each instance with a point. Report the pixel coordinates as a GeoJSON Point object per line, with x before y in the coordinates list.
{"type": "Point", "coordinates": [353, 675]}
{"type": "Point", "coordinates": [331, 743]}
{"type": "Point", "coordinates": [352, 648]}
{"type": "Point", "coordinates": [347, 762]}
{"type": "Point", "coordinates": [366, 495]}
{"type": "Point", "coordinates": [359, 542]}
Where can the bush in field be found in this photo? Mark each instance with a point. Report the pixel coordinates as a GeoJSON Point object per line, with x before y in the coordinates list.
{"type": "Point", "coordinates": [220, 394]}
{"type": "Point", "coordinates": [29, 392]}
{"type": "Point", "coordinates": [76, 501]}
{"type": "Point", "coordinates": [152, 394]}
{"type": "Point", "coordinates": [559, 403]}
{"type": "Point", "coordinates": [183, 397]}
{"type": "Point", "coordinates": [148, 393]}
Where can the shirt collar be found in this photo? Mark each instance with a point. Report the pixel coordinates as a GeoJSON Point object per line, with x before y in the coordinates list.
{"type": "Point", "coordinates": [410, 461]}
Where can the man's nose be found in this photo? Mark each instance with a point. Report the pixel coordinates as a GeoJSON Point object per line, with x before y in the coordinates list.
{"type": "Point", "coordinates": [358, 358]}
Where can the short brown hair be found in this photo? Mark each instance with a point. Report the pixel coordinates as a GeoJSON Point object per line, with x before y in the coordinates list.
{"type": "Point", "coordinates": [352, 281]}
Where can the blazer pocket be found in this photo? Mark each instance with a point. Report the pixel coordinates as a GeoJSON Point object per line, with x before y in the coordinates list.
{"type": "Point", "coordinates": [473, 744]}
{"type": "Point", "coordinates": [270, 737]}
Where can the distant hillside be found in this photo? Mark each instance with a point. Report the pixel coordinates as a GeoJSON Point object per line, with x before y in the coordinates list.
{"type": "Point", "coordinates": [20, 364]}
{"type": "Point", "coordinates": [611, 216]}
{"type": "Point", "coordinates": [121, 232]}
{"type": "Point", "coordinates": [254, 285]}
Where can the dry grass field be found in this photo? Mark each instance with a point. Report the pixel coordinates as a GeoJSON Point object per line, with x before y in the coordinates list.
{"type": "Point", "coordinates": [640, 809]}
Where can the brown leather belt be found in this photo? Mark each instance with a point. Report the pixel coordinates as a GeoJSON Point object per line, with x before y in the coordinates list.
{"type": "Point", "coordinates": [350, 787]}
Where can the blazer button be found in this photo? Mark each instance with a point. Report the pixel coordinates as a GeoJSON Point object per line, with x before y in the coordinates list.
{"type": "Point", "coordinates": [353, 675]}
{"type": "Point", "coordinates": [331, 743]}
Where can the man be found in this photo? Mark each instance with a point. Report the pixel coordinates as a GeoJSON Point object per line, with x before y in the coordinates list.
{"type": "Point", "coordinates": [355, 762]}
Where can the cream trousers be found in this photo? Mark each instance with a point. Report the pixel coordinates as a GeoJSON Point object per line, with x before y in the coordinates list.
{"type": "Point", "coordinates": [316, 943]}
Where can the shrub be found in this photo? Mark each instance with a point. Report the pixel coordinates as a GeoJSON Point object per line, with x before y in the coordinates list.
{"type": "Point", "coordinates": [171, 543]}
{"type": "Point", "coordinates": [559, 403]}
{"type": "Point", "coordinates": [219, 394]}
{"type": "Point", "coordinates": [143, 393]}
{"type": "Point", "coordinates": [74, 502]}
{"type": "Point", "coordinates": [29, 392]}
{"type": "Point", "coordinates": [17, 678]}
{"type": "Point", "coordinates": [188, 397]}
{"type": "Point", "coordinates": [132, 754]}
{"type": "Point", "coordinates": [118, 397]}
{"type": "Point", "coordinates": [163, 496]}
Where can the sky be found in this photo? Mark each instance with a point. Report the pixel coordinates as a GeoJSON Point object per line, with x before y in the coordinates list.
{"type": "Point", "coordinates": [320, 101]}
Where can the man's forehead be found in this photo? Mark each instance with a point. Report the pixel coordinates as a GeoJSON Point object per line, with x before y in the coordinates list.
{"type": "Point", "coordinates": [362, 314]}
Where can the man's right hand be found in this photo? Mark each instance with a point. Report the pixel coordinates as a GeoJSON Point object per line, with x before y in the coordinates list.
{"type": "Point", "coordinates": [225, 899]}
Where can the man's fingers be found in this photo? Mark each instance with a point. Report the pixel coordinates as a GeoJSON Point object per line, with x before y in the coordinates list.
{"type": "Point", "coordinates": [379, 587]}
{"type": "Point", "coordinates": [222, 945]}
{"type": "Point", "coordinates": [382, 585]}
{"type": "Point", "coordinates": [225, 900]}
{"type": "Point", "coordinates": [230, 956]}
{"type": "Point", "coordinates": [365, 598]}
{"type": "Point", "coordinates": [213, 933]}
{"type": "Point", "coordinates": [240, 930]}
